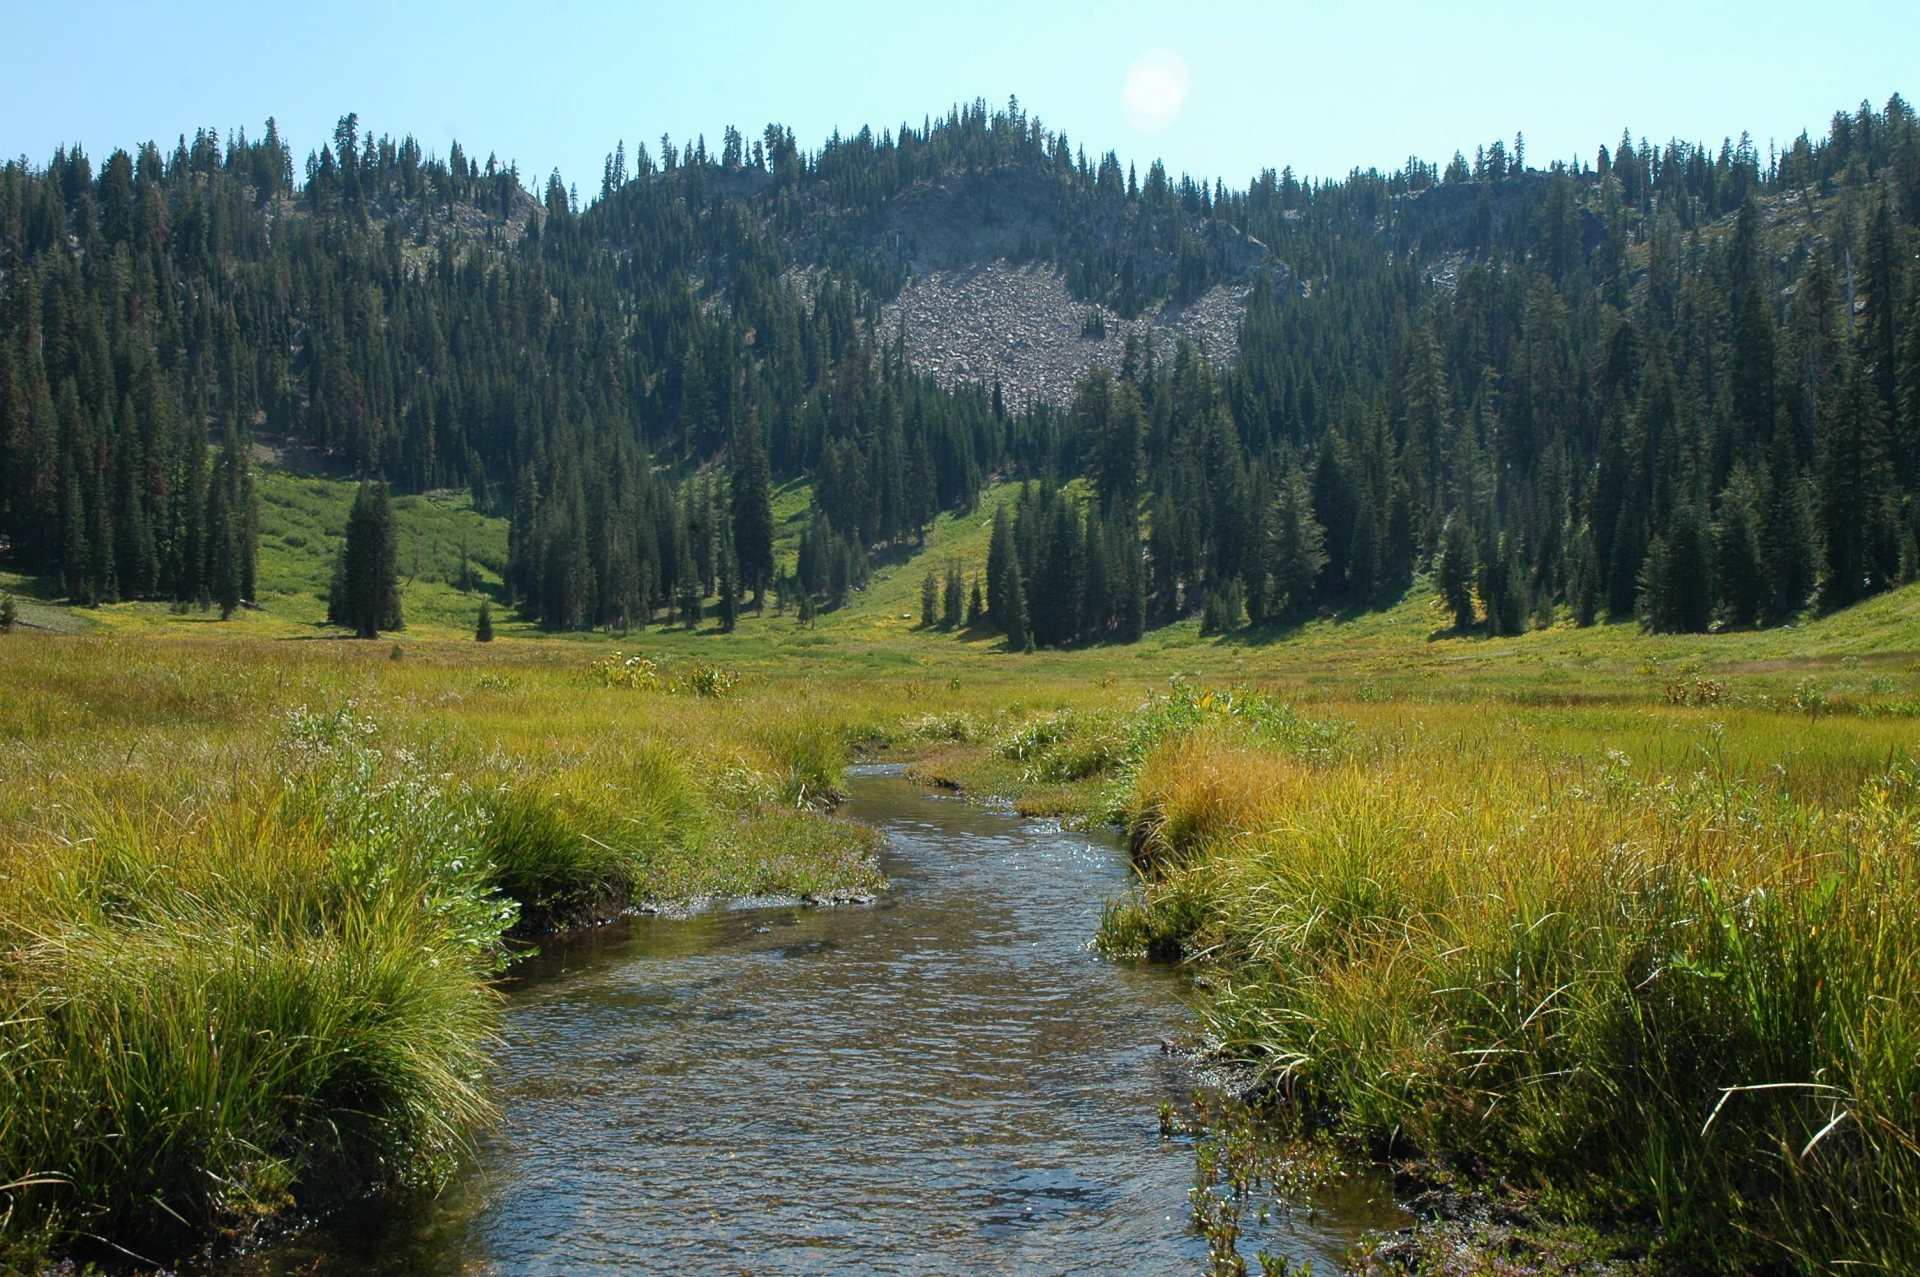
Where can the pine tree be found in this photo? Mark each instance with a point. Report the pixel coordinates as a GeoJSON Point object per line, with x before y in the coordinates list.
{"type": "Point", "coordinates": [729, 595]}
{"type": "Point", "coordinates": [367, 586]}
{"type": "Point", "coordinates": [1363, 555]}
{"type": "Point", "coordinates": [1002, 572]}
{"type": "Point", "coordinates": [1133, 615]}
{"type": "Point", "coordinates": [223, 565]}
{"type": "Point", "coordinates": [483, 632]}
{"type": "Point", "coordinates": [1096, 580]}
{"type": "Point", "coordinates": [1676, 578]}
{"type": "Point", "coordinates": [689, 602]}
{"type": "Point", "coordinates": [929, 601]}
{"type": "Point", "coordinates": [1907, 378]}
{"type": "Point", "coordinates": [74, 557]}
{"type": "Point", "coordinates": [1225, 609]}
{"type": "Point", "coordinates": [1109, 416]}
{"type": "Point", "coordinates": [1014, 621]}
{"type": "Point", "coordinates": [1788, 531]}
{"type": "Point", "coordinates": [1739, 564]}
{"type": "Point", "coordinates": [1753, 374]}
{"type": "Point", "coordinates": [1299, 542]}
{"type": "Point", "coordinates": [1854, 478]}
{"type": "Point", "coordinates": [1053, 592]}
{"type": "Point", "coordinates": [1583, 577]}
{"type": "Point", "coordinates": [230, 527]}
{"type": "Point", "coordinates": [1413, 402]}
{"type": "Point", "coordinates": [9, 614]}
{"type": "Point", "coordinates": [1454, 571]}
{"type": "Point", "coordinates": [1503, 588]}
{"type": "Point", "coordinates": [751, 498]}
{"type": "Point", "coordinates": [1880, 279]}
{"type": "Point", "coordinates": [953, 598]}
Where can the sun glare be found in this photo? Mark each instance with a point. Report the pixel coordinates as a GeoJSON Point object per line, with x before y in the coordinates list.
{"type": "Point", "coordinates": [1155, 91]}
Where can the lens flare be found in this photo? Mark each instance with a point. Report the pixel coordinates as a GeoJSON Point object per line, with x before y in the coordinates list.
{"type": "Point", "coordinates": [1155, 90]}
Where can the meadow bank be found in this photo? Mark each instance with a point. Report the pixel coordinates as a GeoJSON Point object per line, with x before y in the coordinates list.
{"type": "Point", "coordinates": [253, 898]}
{"type": "Point", "coordinates": [1636, 942]}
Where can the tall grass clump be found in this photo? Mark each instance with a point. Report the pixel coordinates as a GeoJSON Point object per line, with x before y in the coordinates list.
{"type": "Point", "coordinates": [1690, 999]}
{"type": "Point", "coordinates": [1109, 748]}
{"type": "Point", "coordinates": [570, 844]}
{"type": "Point", "coordinates": [211, 1012]}
{"type": "Point", "coordinates": [247, 948]}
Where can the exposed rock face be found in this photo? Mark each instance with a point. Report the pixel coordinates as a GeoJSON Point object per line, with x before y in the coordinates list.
{"type": "Point", "coordinates": [972, 315]}
{"type": "Point", "coordinates": [1020, 324]}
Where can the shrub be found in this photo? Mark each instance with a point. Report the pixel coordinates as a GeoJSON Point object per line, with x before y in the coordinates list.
{"type": "Point", "coordinates": [708, 680]}
{"type": "Point", "coordinates": [633, 672]}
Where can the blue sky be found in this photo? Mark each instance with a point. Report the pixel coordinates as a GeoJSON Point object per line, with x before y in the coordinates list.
{"type": "Point", "coordinates": [1324, 87]}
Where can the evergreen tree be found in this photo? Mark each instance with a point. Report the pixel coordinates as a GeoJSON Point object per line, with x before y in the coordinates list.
{"type": "Point", "coordinates": [1788, 531]}
{"type": "Point", "coordinates": [1096, 580]}
{"type": "Point", "coordinates": [953, 598]}
{"type": "Point", "coordinates": [1740, 564]}
{"type": "Point", "coordinates": [1503, 588]}
{"type": "Point", "coordinates": [483, 632]}
{"type": "Point", "coordinates": [1753, 376]}
{"type": "Point", "coordinates": [231, 528]}
{"type": "Point", "coordinates": [1854, 480]}
{"type": "Point", "coordinates": [1225, 609]}
{"type": "Point", "coordinates": [1583, 577]}
{"type": "Point", "coordinates": [223, 563]}
{"type": "Point", "coordinates": [728, 590]}
{"type": "Point", "coordinates": [929, 601]}
{"type": "Point", "coordinates": [688, 604]}
{"type": "Point", "coordinates": [1003, 574]}
{"type": "Point", "coordinates": [1454, 571]}
{"type": "Point", "coordinates": [1133, 615]}
{"type": "Point", "coordinates": [751, 498]}
{"type": "Point", "coordinates": [1019, 637]}
{"type": "Point", "coordinates": [366, 596]}
{"type": "Point", "coordinates": [1299, 542]}
{"type": "Point", "coordinates": [74, 556]}
{"type": "Point", "coordinates": [1907, 377]}
{"type": "Point", "coordinates": [1676, 580]}
{"type": "Point", "coordinates": [1054, 589]}
{"type": "Point", "coordinates": [1880, 278]}
{"type": "Point", "coordinates": [1109, 416]}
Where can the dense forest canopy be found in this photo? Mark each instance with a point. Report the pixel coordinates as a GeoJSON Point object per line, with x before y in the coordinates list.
{"type": "Point", "coordinates": [1680, 382]}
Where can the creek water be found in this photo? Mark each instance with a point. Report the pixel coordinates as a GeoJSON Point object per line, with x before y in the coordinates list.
{"type": "Point", "coordinates": [946, 1081]}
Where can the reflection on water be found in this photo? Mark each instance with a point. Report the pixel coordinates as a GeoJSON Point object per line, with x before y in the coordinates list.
{"type": "Point", "coordinates": [944, 1082]}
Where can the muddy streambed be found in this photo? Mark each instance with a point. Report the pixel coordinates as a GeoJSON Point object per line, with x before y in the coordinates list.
{"type": "Point", "coordinates": [946, 1081]}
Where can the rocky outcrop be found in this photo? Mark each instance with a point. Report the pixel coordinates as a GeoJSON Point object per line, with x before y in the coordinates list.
{"type": "Point", "coordinates": [1020, 325]}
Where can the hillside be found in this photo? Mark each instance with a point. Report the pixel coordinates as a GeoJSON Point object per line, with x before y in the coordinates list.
{"type": "Point", "coordinates": [1677, 383]}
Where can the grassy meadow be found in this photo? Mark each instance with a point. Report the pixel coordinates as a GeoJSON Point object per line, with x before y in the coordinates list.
{"type": "Point", "coordinates": [1624, 922]}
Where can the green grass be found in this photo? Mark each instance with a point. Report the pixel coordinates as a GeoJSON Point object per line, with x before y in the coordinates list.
{"type": "Point", "coordinates": [253, 894]}
{"type": "Point", "coordinates": [1686, 997]}
{"type": "Point", "coordinates": [303, 521]}
{"type": "Point", "coordinates": [210, 1005]}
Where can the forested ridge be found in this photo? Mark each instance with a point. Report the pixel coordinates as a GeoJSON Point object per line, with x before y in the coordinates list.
{"type": "Point", "coordinates": [1680, 382]}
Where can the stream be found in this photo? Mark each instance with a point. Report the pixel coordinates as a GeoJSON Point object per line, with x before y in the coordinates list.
{"type": "Point", "coordinates": [946, 1081]}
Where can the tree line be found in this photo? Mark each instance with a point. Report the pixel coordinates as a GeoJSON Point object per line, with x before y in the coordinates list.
{"type": "Point", "coordinates": [1668, 381]}
{"type": "Point", "coordinates": [1666, 385]}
